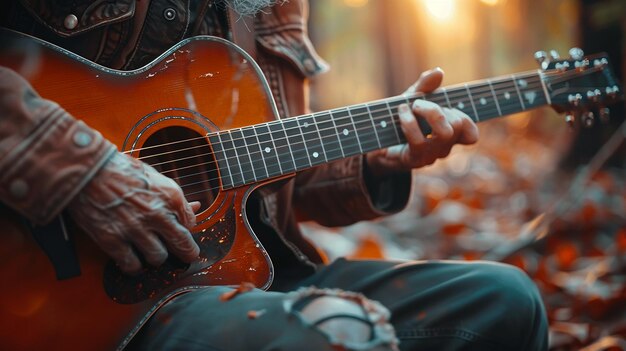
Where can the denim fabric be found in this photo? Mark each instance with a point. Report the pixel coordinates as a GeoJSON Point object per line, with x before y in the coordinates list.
{"type": "Point", "coordinates": [435, 305]}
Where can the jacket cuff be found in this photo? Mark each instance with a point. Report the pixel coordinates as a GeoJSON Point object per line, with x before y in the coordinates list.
{"type": "Point", "coordinates": [345, 197]}
{"type": "Point", "coordinates": [49, 166]}
{"type": "Point", "coordinates": [388, 194]}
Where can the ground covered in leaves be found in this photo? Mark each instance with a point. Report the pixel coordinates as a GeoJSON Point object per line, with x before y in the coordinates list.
{"type": "Point", "coordinates": [506, 200]}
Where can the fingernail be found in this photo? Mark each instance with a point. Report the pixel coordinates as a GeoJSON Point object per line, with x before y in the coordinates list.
{"type": "Point", "coordinates": [405, 112]}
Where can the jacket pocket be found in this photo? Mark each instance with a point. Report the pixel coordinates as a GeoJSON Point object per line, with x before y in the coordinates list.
{"type": "Point", "coordinates": [67, 18]}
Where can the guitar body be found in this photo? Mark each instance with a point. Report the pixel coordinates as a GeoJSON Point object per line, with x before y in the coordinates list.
{"type": "Point", "coordinates": [200, 86]}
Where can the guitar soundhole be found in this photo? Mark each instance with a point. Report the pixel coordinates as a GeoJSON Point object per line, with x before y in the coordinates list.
{"type": "Point", "coordinates": [185, 156]}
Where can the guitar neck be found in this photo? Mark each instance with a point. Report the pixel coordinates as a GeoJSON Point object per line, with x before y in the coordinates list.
{"type": "Point", "coordinates": [263, 151]}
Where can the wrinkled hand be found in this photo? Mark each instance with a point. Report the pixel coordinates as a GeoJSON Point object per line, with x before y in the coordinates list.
{"type": "Point", "coordinates": [449, 127]}
{"type": "Point", "coordinates": [127, 205]}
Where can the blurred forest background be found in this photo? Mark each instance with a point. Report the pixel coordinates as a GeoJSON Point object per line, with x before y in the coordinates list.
{"type": "Point", "coordinates": [533, 192]}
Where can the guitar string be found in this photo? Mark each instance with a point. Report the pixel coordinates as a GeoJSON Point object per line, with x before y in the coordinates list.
{"type": "Point", "coordinates": [388, 108]}
{"type": "Point", "coordinates": [334, 128]}
{"type": "Point", "coordinates": [252, 168]}
{"type": "Point", "coordinates": [460, 92]}
{"type": "Point", "coordinates": [440, 100]}
{"type": "Point", "coordinates": [243, 163]}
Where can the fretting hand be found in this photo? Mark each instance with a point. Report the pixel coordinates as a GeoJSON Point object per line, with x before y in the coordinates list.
{"type": "Point", "coordinates": [129, 205]}
{"type": "Point", "coordinates": [449, 127]}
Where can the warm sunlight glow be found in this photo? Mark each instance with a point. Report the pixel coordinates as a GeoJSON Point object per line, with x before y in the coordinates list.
{"type": "Point", "coordinates": [490, 2]}
{"type": "Point", "coordinates": [440, 9]}
{"type": "Point", "coordinates": [355, 3]}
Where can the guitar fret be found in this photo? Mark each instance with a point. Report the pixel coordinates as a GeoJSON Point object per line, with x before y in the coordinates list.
{"type": "Point", "coordinates": [394, 125]}
{"type": "Point", "coordinates": [356, 132]}
{"type": "Point", "coordinates": [471, 99]}
{"type": "Point", "coordinates": [332, 118]}
{"type": "Point", "coordinates": [495, 98]}
{"type": "Point", "coordinates": [346, 131]}
{"type": "Point", "coordinates": [363, 124]}
{"type": "Point", "coordinates": [545, 89]}
{"type": "Point", "coordinates": [329, 137]}
{"type": "Point", "coordinates": [300, 153]}
{"type": "Point", "coordinates": [282, 147]}
{"type": "Point", "coordinates": [374, 129]}
{"type": "Point", "coordinates": [519, 94]}
{"type": "Point", "coordinates": [268, 150]}
{"type": "Point", "coordinates": [245, 166]}
{"type": "Point", "coordinates": [445, 94]}
{"type": "Point", "coordinates": [230, 155]}
{"type": "Point", "coordinates": [254, 148]}
{"type": "Point", "coordinates": [312, 140]}
{"type": "Point", "coordinates": [383, 123]}
{"type": "Point", "coordinates": [222, 161]}
{"type": "Point", "coordinates": [484, 102]}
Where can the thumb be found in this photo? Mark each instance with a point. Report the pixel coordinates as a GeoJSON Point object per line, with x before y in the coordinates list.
{"type": "Point", "coordinates": [428, 81]}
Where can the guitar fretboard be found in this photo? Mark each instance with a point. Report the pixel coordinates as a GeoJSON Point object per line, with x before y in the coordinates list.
{"type": "Point", "coordinates": [251, 154]}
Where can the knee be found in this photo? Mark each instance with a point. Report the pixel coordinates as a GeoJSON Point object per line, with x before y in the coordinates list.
{"type": "Point", "coordinates": [509, 286]}
{"type": "Point", "coordinates": [347, 319]}
{"type": "Point", "coordinates": [513, 301]}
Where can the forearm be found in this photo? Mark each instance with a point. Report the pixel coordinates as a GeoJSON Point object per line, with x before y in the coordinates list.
{"type": "Point", "coordinates": [46, 156]}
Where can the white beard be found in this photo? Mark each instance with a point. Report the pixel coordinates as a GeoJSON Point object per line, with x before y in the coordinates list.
{"type": "Point", "coordinates": [250, 7]}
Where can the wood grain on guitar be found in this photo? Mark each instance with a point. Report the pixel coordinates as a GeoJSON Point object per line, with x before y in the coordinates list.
{"type": "Point", "coordinates": [202, 114]}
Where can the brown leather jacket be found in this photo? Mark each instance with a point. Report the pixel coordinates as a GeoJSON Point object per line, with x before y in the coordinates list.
{"type": "Point", "coordinates": [42, 147]}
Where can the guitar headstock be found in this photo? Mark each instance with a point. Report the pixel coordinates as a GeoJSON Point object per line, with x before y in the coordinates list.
{"type": "Point", "coordinates": [581, 86]}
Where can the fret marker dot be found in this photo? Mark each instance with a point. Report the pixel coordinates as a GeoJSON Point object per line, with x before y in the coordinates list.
{"type": "Point", "coordinates": [306, 124]}
{"type": "Point", "coordinates": [345, 132]}
{"type": "Point", "coordinates": [522, 83]}
{"type": "Point", "coordinates": [507, 95]}
{"type": "Point", "coordinates": [267, 149]}
{"type": "Point", "coordinates": [483, 101]}
{"type": "Point", "coordinates": [460, 105]}
{"type": "Point", "coordinates": [383, 124]}
{"type": "Point", "coordinates": [315, 154]}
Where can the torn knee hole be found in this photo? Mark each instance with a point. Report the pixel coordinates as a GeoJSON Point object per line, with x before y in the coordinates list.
{"type": "Point", "coordinates": [347, 319]}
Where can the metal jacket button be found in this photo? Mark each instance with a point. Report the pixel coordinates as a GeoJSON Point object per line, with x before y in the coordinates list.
{"type": "Point", "coordinates": [82, 139]}
{"type": "Point", "coordinates": [70, 22]}
{"type": "Point", "coordinates": [169, 14]}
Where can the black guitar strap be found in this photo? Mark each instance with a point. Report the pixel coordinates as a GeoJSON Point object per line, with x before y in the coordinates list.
{"type": "Point", "coordinates": [55, 241]}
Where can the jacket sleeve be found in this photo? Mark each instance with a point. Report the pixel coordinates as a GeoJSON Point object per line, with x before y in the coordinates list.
{"type": "Point", "coordinates": [343, 192]}
{"type": "Point", "coordinates": [46, 156]}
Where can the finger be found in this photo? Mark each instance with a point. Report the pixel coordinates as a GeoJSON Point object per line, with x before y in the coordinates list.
{"type": "Point", "coordinates": [469, 130]}
{"type": "Point", "coordinates": [152, 249]}
{"type": "Point", "coordinates": [124, 257]}
{"type": "Point", "coordinates": [178, 239]}
{"type": "Point", "coordinates": [410, 127]}
{"type": "Point", "coordinates": [429, 80]}
{"type": "Point", "coordinates": [179, 205]}
{"type": "Point", "coordinates": [195, 206]}
{"type": "Point", "coordinates": [435, 117]}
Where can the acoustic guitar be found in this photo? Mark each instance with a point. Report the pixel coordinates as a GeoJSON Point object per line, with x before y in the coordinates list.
{"type": "Point", "coordinates": [202, 114]}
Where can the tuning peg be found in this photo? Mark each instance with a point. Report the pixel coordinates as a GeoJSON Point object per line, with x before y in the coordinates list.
{"type": "Point", "coordinates": [555, 55]}
{"type": "Point", "coordinates": [594, 95]}
{"type": "Point", "coordinates": [541, 56]}
{"type": "Point", "coordinates": [588, 119]}
{"type": "Point", "coordinates": [570, 119]}
{"type": "Point", "coordinates": [605, 115]}
{"type": "Point", "coordinates": [576, 53]}
{"type": "Point", "coordinates": [574, 99]}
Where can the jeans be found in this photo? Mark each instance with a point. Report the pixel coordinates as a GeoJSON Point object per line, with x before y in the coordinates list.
{"type": "Point", "coordinates": [434, 305]}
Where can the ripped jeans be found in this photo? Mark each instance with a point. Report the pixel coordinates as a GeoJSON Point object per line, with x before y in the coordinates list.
{"type": "Point", "coordinates": [434, 305]}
